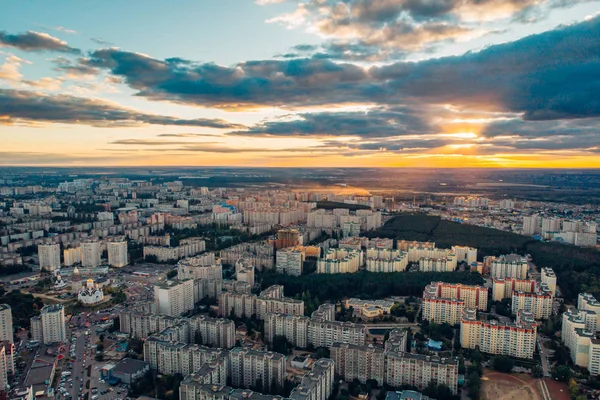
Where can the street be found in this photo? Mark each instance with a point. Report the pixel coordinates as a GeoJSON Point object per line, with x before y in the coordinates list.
{"type": "Point", "coordinates": [544, 356]}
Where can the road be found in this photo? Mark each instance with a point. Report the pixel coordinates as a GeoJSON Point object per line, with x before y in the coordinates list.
{"type": "Point", "coordinates": [544, 357]}
{"type": "Point", "coordinates": [391, 326]}
{"type": "Point", "coordinates": [79, 373]}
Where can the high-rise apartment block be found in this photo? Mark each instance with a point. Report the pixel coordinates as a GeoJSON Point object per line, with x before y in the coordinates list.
{"type": "Point", "coordinates": [538, 303]}
{"type": "Point", "coordinates": [174, 298]}
{"type": "Point", "coordinates": [318, 383]}
{"type": "Point", "coordinates": [359, 362]}
{"type": "Point", "coordinates": [509, 266]}
{"type": "Point", "coordinates": [532, 225]}
{"type": "Point", "coordinates": [503, 288]}
{"type": "Point", "coordinates": [249, 367]}
{"type": "Point", "coordinates": [510, 339]}
{"type": "Point", "coordinates": [49, 256]}
{"type": "Point", "coordinates": [293, 327]}
{"type": "Point", "coordinates": [90, 253]}
{"type": "Point", "coordinates": [444, 264]}
{"type": "Point", "coordinates": [384, 259]}
{"type": "Point", "coordinates": [244, 272]}
{"type": "Point", "coordinates": [6, 324]}
{"type": "Point", "coordinates": [465, 254]}
{"type": "Point", "coordinates": [290, 261]}
{"type": "Point", "coordinates": [549, 278]}
{"type": "Point", "coordinates": [205, 266]}
{"type": "Point", "coordinates": [49, 327]}
{"type": "Point", "coordinates": [117, 253]}
{"type": "Point", "coordinates": [444, 302]}
{"type": "Point", "coordinates": [579, 336]}
{"type": "Point", "coordinates": [270, 300]}
{"type": "Point", "coordinates": [340, 261]}
{"type": "Point", "coordinates": [72, 256]}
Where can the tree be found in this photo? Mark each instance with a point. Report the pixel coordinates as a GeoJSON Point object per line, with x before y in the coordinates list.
{"type": "Point", "coordinates": [281, 345]}
{"type": "Point", "coordinates": [537, 371]}
{"type": "Point", "coordinates": [172, 274]}
{"type": "Point", "coordinates": [323, 352]}
{"type": "Point", "coordinates": [562, 373]}
{"type": "Point", "coordinates": [474, 385]}
{"type": "Point", "coordinates": [503, 364]}
{"type": "Point", "coordinates": [573, 388]}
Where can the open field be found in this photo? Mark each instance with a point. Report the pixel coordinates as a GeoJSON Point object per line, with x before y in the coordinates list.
{"type": "Point", "coordinates": [499, 386]}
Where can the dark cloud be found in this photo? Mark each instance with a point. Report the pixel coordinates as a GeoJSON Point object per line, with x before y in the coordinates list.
{"type": "Point", "coordinates": [379, 122]}
{"type": "Point", "coordinates": [74, 68]}
{"type": "Point", "coordinates": [36, 41]}
{"type": "Point", "coordinates": [187, 135]}
{"type": "Point", "coordinates": [552, 75]}
{"type": "Point", "coordinates": [21, 105]}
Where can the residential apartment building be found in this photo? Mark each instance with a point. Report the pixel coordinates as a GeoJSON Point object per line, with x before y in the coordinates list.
{"type": "Point", "coordinates": [6, 325]}
{"type": "Point", "coordinates": [7, 363]}
{"type": "Point", "coordinates": [290, 261]}
{"type": "Point", "coordinates": [578, 335]}
{"type": "Point", "coordinates": [465, 254]}
{"type": "Point", "coordinates": [420, 370]}
{"type": "Point", "coordinates": [358, 362]}
{"type": "Point", "coordinates": [205, 266]}
{"type": "Point", "coordinates": [270, 300]}
{"type": "Point", "coordinates": [509, 266]}
{"type": "Point", "coordinates": [322, 333]}
{"type": "Point", "coordinates": [49, 256]}
{"type": "Point", "coordinates": [90, 253]}
{"type": "Point", "coordinates": [383, 259]}
{"type": "Point", "coordinates": [244, 272]}
{"type": "Point", "coordinates": [538, 303]}
{"type": "Point", "coordinates": [510, 339]}
{"type": "Point", "coordinates": [169, 357]}
{"type": "Point", "coordinates": [318, 383]}
{"type": "Point", "coordinates": [503, 288]}
{"type": "Point", "coordinates": [72, 256]}
{"type": "Point", "coordinates": [340, 261]}
{"type": "Point", "coordinates": [549, 278]}
{"type": "Point", "coordinates": [215, 332]}
{"type": "Point", "coordinates": [249, 367]}
{"type": "Point", "coordinates": [587, 302]}
{"type": "Point", "coordinates": [293, 327]}
{"type": "Point", "coordinates": [117, 253]}
{"type": "Point", "coordinates": [444, 302]}
{"type": "Point", "coordinates": [444, 264]}
{"type": "Point", "coordinates": [174, 298]}
{"type": "Point", "coordinates": [49, 327]}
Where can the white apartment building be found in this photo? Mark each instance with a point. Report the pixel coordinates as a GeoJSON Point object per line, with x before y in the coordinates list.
{"type": "Point", "coordinates": [419, 370]}
{"type": "Point", "coordinates": [49, 327]}
{"type": "Point", "coordinates": [509, 266]}
{"type": "Point", "coordinates": [538, 303]}
{"type": "Point", "coordinates": [90, 253]}
{"type": "Point", "coordinates": [248, 367]}
{"type": "Point", "coordinates": [244, 272]}
{"type": "Point", "coordinates": [503, 288]}
{"type": "Point", "coordinates": [293, 327]}
{"type": "Point", "coordinates": [6, 325]}
{"type": "Point", "coordinates": [415, 253]}
{"type": "Point", "coordinates": [318, 383]}
{"type": "Point", "coordinates": [494, 337]}
{"type": "Point", "coordinates": [117, 253]}
{"type": "Point", "coordinates": [205, 266]}
{"type": "Point", "coordinates": [72, 256]}
{"type": "Point", "coordinates": [587, 302]}
{"type": "Point", "coordinates": [324, 333]}
{"type": "Point", "coordinates": [578, 334]}
{"type": "Point", "coordinates": [340, 261]}
{"type": "Point", "coordinates": [532, 225]}
{"type": "Point", "coordinates": [174, 298]}
{"type": "Point", "coordinates": [169, 357]}
{"type": "Point", "coordinates": [383, 259]}
{"type": "Point", "coordinates": [444, 264]}
{"type": "Point", "coordinates": [7, 363]}
{"type": "Point", "coordinates": [358, 362]}
{"type": "Point", "coordinates": [441, 310]}
{"type": "Point", "coordinates": [290, 261]}
{"type": "Point", "coordinates": [465, 253]}
{"type": "Point", "coordinates": [49, 256]}
{"type": "Point", "coordinates": [215, 332]}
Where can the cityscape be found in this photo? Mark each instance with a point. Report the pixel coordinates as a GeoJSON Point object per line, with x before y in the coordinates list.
{"type": "Point", "coordinates": [300, 200]}
{"type": "Point", "coordinates": [117, 287]}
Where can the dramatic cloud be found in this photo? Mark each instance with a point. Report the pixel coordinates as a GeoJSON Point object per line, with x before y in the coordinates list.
{"type": "Point", "coordinates": [378, 122]}
{"type": "Point", "coordinates": [9, 69]}
{"type": "Point", "coordinates": [35, 41]}
{"type": "Point", "coordinates": [552, 75]}
{"type": "Point", "coordinates": [27, 106]}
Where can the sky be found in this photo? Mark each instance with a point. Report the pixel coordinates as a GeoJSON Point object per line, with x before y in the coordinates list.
{"type": "Point", "coordinates": [312, 83]}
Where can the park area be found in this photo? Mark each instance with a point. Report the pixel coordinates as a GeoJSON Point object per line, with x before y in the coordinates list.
{"type": "Point", "coordinates": [500, 386]}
